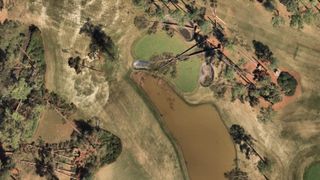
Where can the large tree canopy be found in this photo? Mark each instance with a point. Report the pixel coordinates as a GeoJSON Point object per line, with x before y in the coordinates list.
{"type": "Point", "coordinates": [100, 41]}
{"type": "Point", "coordinates": [287, 83]}
{"type": "Point", "coordinates": [262, 51]}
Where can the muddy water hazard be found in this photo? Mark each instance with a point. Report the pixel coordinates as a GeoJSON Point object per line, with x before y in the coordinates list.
{"type": "Point", "coordinates": [198, 130]}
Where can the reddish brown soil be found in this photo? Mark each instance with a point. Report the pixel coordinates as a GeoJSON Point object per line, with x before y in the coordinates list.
{"type": "Point", "coordinates": [250, 66]}
{"type": "Point", "coordinates": [3, 15]}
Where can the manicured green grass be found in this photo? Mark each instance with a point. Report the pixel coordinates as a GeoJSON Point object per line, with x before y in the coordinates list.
{"type": "Point", "coordinates": [312, 172]}
{"type": "Point", "coordinates": [187, 71]}
{"type": "Point", "coordinates": [150, 45]}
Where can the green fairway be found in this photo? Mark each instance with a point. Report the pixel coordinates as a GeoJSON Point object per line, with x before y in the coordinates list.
{"type": "Point", "coordinates": [187, 71]}
{"type": "Point", "coordinates": [312, 172]}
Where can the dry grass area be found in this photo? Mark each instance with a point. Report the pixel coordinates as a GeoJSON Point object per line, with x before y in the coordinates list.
{"type": "Point", "coordinates": [147, 152]}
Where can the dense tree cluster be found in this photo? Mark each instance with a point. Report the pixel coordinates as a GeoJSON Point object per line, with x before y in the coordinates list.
{"type": "Point", "coordinates": [23, 95]}
{"type": "Point", "coordinates": [44, 162]}
{"type": "Point", "coordinates": [6, 163]}
{"type": "Point", "coordinates": [108, 147]}
{"type": "Point", "coordinates": [88, 149]}
{"type": "Point", "coordinates": [302, 12]}
{"type": "Point", "coordinates": [263, 87]}
{"type": "Point", "coordinates": [264, 53]}
{"type": "Point", "coordinates": [244, 140]}
{"type": "Point", "coordinates": [56, 101]}
{"type": "Point", "coordinates": [241, 138]}
{"type": "Point", "coordinates": [182, 12]}
{"type": "Point", "coordinates": [253, 95]}
{"type": "Point", "coordinates": [270, 93]}
{"type": "Point", "coordinates": [292, 5]}
{"type": "Point", "coordinates": [22, 81]}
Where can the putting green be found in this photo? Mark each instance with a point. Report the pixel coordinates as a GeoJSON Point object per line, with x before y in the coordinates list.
{"type": "Point", "coordinates": [187, 71]}
{"type": "Point", "coordinates": [312, 172]}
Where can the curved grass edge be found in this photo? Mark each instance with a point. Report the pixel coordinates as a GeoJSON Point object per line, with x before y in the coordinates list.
{"type": "Point", "coordinates": [307, 168]}
{"type": "Point", "coordinates": [297, 166]}
{"type": "Point", "coordinates": [168, 80]}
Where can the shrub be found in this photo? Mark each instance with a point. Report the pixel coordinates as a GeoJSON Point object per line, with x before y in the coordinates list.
{"type": "Point", "coordinates": [277, 21]}
{"type": "Point", "coordinates": [266, 114]}
{"type": "Point", "coordinates": [219, 90]}
{"type": "Point", "coordinates": [264, 166]}
{"type": "Point", "coordinates": [229, 73]}
{"type": "Point", "coordinates": [291, 5]}
{"type": "Point", "coordinates": [296, 21]}
{"type": "Point", "coordinates": [238, 91]}
{"type": "Point", "coordinates": [271, 93]}
{"type": "Point", "coordinates": [287, 83]}
{"type": "Point", "coordinates": [141, 22]}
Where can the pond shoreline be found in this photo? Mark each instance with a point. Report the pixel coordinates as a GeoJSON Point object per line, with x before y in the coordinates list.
{"type": "Point", "coordinates": [157, 115]}
{"type": "Point", "coordinates": [226, 146]}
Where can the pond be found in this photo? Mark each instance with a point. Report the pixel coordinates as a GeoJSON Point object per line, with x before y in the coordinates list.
{"type": "Point", "coordinates": [199, 131]}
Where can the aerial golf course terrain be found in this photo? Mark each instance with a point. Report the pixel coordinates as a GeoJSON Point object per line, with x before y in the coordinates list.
{"type": "Point", "coordinates": [160, 89]}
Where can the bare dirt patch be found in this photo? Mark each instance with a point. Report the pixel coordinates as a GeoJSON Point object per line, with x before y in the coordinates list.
{"type": "Point", "coordinates": [52, 127]}
{"type": "Point", "coordinates": [3, 15]}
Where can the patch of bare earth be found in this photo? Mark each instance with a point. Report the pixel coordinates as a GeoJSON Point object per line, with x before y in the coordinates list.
{"type": "Point", "coordinates": [52, 127]}
{"type": "Point", "coordinates": [3, 15]}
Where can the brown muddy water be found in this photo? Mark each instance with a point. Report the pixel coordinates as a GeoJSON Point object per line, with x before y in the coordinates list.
{"type": "Point", "coordinates": [198, 130]}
